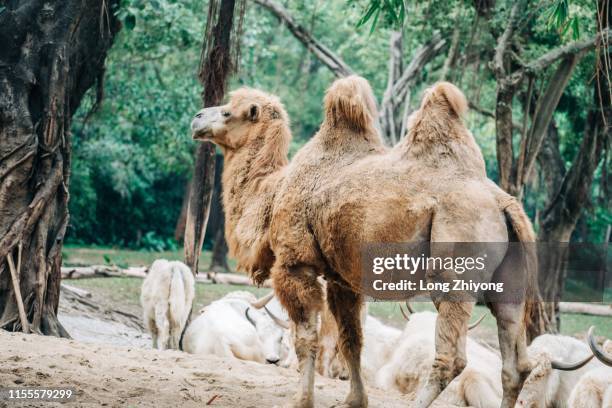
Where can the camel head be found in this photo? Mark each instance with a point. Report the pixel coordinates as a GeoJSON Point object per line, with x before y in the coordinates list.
{"type": "Point", "coordinates": [247, 116]}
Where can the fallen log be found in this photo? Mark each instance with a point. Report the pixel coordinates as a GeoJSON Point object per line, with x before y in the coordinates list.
{"type": "Point", "coordinates": [104, 271]}
{"type": "Point", "coordinates": [586, 308]}
{"type": "Point", "coordinates": [77, 272]}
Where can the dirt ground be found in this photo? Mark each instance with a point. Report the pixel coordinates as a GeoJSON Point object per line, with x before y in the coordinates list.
{"type": "Point", "coordinates": [118, 376]}
{"type": "Point", "coordinates": [109, 362]}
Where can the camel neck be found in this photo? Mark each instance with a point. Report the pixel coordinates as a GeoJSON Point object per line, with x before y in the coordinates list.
{"type": "Point", "coordinates": [253, 169]}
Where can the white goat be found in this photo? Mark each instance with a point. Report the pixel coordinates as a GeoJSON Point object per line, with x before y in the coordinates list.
{"type": "Point", "coordinates": [378, 346]}
{"type": "Point", "coordinates": [551, 381]}
{"type": "Point", "coordinates": [594, 389]}
{"type": "Point", "coordinates": [166, 298]}
{"type": "Point", "coordinates": [479, 385]}
{"type": "Point", "coordinates": [329, 362]}
{"type": "Point", "coordinates": [232, 327]}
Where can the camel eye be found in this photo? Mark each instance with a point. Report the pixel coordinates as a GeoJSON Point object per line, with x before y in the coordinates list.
{"type": "Point", "coordinates": [226, 114]}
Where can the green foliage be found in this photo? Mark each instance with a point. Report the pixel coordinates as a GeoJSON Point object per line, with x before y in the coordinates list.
{"type": "Point", "coordinates": [559, 19]}
{"type": "Point", "coordinates": [133, 156]}
{"type": "Point", "coordinates": [393, 11]}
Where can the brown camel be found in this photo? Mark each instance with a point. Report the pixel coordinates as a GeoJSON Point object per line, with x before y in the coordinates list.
{"type": "Point", "coordinates": [343, 190]}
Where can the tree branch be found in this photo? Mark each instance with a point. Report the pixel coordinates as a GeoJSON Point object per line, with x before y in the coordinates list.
{"type": "Point", "coordinates": [324, 54]}
{"type": "Point", "coordinates": [551, 162]}
{"type": "Point", "coordinates": [544, 111]}
{"type": "Point", "coordinates": [503, 41]}
{"type": "Point", "coordinates": [489, 113]}
{"type": "Point", "coordinates": [568, 50]}
{"type": "Point", "coordinates": [454, 45]}
{"type": "Point", "coordinates": [389, 103]}
{"type": "Point", "coordinates": [421, 57]}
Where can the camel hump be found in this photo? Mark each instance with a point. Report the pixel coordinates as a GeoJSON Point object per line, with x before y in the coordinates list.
{"type": "Point", "coordinates": [445, 95]}
{"type": "Point", "coordinates": [350, 101]}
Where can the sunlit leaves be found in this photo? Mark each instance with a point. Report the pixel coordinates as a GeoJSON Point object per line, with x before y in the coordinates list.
{"type": "Point", "coordinates": [392, 13]}
{"type": "Point", "coordinates": [561, 20]}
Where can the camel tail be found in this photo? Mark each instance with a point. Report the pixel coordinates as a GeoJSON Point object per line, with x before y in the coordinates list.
{"type": "Point", "coordinates": [445, 95]}
{"type": "Point", "coordinates": [523, 230]}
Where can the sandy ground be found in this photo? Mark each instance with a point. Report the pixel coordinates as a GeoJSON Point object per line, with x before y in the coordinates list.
{"type": "Point", "coordinates": [118, 376]}
{"type": "Point", "coordinates": [109, 363]}
{"type": "Point", "coordinates": [89, 330]}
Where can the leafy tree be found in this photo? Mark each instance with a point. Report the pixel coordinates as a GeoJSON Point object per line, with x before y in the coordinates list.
{"type": "Point", "coordinates": [52, 53]}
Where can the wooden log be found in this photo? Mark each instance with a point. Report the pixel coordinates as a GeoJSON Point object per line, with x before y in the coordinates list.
{"type": "Point", "coordinates": [103, 271]}
{"type": "Point", "coordinates": [586, 308]}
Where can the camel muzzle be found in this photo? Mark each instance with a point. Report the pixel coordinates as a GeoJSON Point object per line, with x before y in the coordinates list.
{"type": "Point", "coordinates": [204, 121]}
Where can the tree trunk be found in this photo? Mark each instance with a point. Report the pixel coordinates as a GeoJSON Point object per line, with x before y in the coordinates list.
{"type": "Point", "coordinates": [562, 213]}
{"type": "Point", "coordinates": [217, 226]}
{"type": "Point", "coordinates": [565, 206]}
{"type": "Point", "coordinates": [215, 68]}
{"type": "Point", "coordinates": [181, 222]}
{"type": "Point", "coordinates": [52, 53]}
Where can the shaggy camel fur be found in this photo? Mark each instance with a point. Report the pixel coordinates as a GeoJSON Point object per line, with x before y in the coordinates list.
{"type": "Point", "coordinates": [253, 134]}
{"type": "Point", "coordinates": [343, 190]}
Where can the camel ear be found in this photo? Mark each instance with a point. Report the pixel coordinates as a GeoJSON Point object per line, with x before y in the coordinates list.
{"type": "Point", "coordinates": [350, 100]}
{"type": "Point", "coordinates": [446, 94]}
{"type": "Point", "coordinates": [253, 112]}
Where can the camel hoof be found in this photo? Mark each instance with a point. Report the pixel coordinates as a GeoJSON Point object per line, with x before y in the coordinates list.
{"type": "Point", "coordinates": [353, 403]}
{"type": "Point", "coordinates": [301, 402]}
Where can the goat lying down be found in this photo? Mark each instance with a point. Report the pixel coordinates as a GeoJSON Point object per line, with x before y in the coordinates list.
{"type": "Point", "coordinates": [166, 297]}
{"type": "Point", "coordinates": [412, 357]}
{"type": "Point", "coordinates": [232, 327]}
{"type": "Point", "coordinates": [379, 341]}
{"type": "Point", "coordinates": [562, 367]}
{"type": "Point", "coordinates": [594, 389]}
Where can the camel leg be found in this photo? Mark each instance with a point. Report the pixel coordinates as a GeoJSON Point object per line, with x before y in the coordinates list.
{"type": "Point", "coordinates": [299, 292]}
{"type": "Point", "coordinates": [450, 359]}
{"type": "Point", "coordinates": [345, 305]}
{"type": "Point", "coordinates": [510, 329]}
{"type": "Point", "coordinates": [513, 347]}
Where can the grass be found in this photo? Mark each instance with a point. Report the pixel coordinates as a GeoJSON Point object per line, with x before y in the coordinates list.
{"type": "Point", "coordinates": [126, 291]}
{"type": "Point", "coordinates": [123, 258]}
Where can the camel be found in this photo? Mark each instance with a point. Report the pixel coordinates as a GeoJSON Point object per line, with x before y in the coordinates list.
{"type": "Point", "coordinates": [253, 134]}
{"type": "Point", "coordinates": [343, 190]}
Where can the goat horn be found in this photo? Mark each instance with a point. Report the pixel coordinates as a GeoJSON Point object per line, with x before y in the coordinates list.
{"type": "Point", "coordinates": [597, 351]}
{"type": "Point", "coordinates": [261, 302]}
{"type": "Point", "coordinates": [559, 365]}
{"type": "Point", "coordinates": [276, 319]}
{"type": "Point", "coordinates": [477, 322]}
{"type": "Point", "coordinates": [406, 316]}
{"type": "Point", "coordinates": [246, 314]}
{"type": "Point", "coordinates": [409, 307]}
